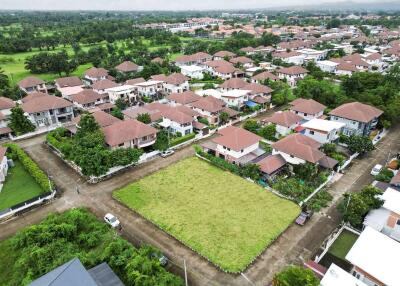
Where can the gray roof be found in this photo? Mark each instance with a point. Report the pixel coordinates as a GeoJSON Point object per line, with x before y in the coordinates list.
{"type": "Point", "coordinates": [70, 273]}
{"type": "Point", "coordinates": [104, 276]}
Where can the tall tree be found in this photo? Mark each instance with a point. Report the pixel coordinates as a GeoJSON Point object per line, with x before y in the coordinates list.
{"type": "Point", "coordinates": [19, 123]}
{"type": "Point", "coordinates": [295, 276]}
{"type": "Point", "coordinates": [144, 118]}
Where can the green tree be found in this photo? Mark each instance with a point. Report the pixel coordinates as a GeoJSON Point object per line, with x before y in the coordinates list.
{"type": "Point", "coordinates": [251, 125]}
{"type": "Point", "coordinates": [306, 172]}
{"type": "Point", "coordinates": [87, 124]}
{"type": "Point", "coordinates": [359, 144]}
{"type": "Point", "coordinates": [162, 141]}
{"type": "Point", "coordinates": [121, 104]}
{"type": "Point", "coordinates": [223, 117]}
{"type": "Point", "coordinates": [144, 118]}
{"type": "Point", "coordinates": [268, 132]}
{"type": "Point", "coordinates": [355, 206]}
{"type": "Point", "coordinates": [295, 276]}
{"type": "Point", "coordinates": [116, 112]}
{"type": "Point", "coordinates": [19, 123]}
{"type": "Point", "coordinates": [251, 171]}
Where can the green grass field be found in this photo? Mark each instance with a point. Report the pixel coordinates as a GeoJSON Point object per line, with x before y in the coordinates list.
{"type": "Point", "coordinates": [18, 187]}
{"type": "Point", "coordinates": [223, 217]}
{"type": "Point", "coordinates": [343, 244]}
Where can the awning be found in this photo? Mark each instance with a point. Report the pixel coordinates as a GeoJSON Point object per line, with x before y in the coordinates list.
{"type": "Point", "coordinates": [251, 103]}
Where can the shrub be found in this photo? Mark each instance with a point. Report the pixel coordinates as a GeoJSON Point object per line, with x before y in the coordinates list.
{"type": "Point", "coordinates": [385, 175]}
{"type": "Point", "coordinates": [30, 166]}
{"type": "Point", "coordinates": [182, 139]}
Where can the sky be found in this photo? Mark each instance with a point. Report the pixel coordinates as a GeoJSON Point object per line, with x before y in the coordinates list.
{"type": "Point", "coordinates": [155, 4]}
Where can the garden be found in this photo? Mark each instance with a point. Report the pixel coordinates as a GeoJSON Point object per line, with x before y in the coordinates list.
{"type": "Point", "coordinates": [40, 248]}
{"type": "Point", "coordinates": [24, 181]}
{"type": "Point", "coordinates": [221, 216]}
{"type": "Point", "coordinates": [87, 148]}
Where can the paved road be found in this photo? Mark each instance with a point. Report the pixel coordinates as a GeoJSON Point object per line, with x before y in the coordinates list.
{"type": "Point", "coordinates": [294, 246]}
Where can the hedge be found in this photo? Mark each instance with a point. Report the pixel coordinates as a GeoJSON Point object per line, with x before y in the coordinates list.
{"type": "Point", "coordinates": [180, 140]}
{"type": "Point", "coordinates": [30, 166]}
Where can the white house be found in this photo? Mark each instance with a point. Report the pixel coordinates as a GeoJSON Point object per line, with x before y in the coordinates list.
{"type": "Point", "coordinates": [149, 88]}
{"type": "Point", "coordinates": [195, 72]}
{"type": "Point", "coordinates": [374, 258]}
{"type": "Point", "coordinates": [176, 83]}
{"type": "Point", "coordinates": [235, 97]}
{"type": "Point", "coordinates": [32, 84]}
{"type": "Point", "coordinates": [3, 164]}
{"type": "Point", "coordinates": [126, 92]}
{"type": "Point", "coordinates": [235, 145]}
{"type": "Point", "coordinates": [292, 74]}
{"type": "Point", "coordinates": [327, 66]}
{"type": "Point", "coordinates": [323, 131]}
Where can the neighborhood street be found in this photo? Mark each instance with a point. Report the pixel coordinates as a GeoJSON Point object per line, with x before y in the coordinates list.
{"type": "Point", "coordinates": [297, 244]}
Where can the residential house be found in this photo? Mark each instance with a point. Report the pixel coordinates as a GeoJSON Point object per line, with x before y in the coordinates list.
{"type": "Point", "coordinates": [242, 61]}
{"type": "Point", "coordinates": [248, 51]}
{"type": "Point", "coordinates": [150, 88]}
{"type": "Point", "coordinates": [195, 59]}
{"type": "Point", "coordinates": [336, 276]}
{"type": "Point", "coordinates": [94, 74]}
{"type": "Point", "coordinates": [323, 131]}
{"type": "Point", "coordinates": [263, 76]}
{"type": "Point", "coordinates": [176, 83]}
{"type": "Point", "coordinates": [373, 258]}
{"type": "Point", "coordinates": [32, 84]}
{"type": "Point", "coordinates": [271, 165]}
{"type": "Point", "coordinates": [128, 67]}
{"type": "Point", "coordinates": [48, 111]}
{"type": "Point", "coordinates": [183, 98]}
{"type": "Point", "coordinates": [102, 85]}
{"type": "Point", "coordinates": [6, 105]}
{"type": "Point", "coordinates": [209, 108]}
{"type": "Point", "coordinates": [69, 85]}
{"type": "Point", "coordinates": [327, 66]}
{"type": "Point", "coordinates": [124, 92]}
{"type": "Point", "coordinates": [386, 218]}
{"type": "Point", "coordinates": [193, 72]}
{"type": "Point", "coordinates": [222, 69]}
{"type": "Point", "coordinates": [359, 118]}
{"type": "Point", "coordinates": [292, 74]}
{"type": "Point", "coordinates": [285, 122]}
{"type": "Point", "coordinates": [298, 149]}
{"type": "Point", "coordinates": [222, 55]}
{"type": "Point", "coordinates": [295, 58]}
{"type": "Point", "coordinates": [129, 133]}
{"type": "Point", "coordinates": [307, 108]}
{"type": "Point", "coordinates": [3, 164]}
{"type": "Point", "coordinates": [235, 145]}
{"type": "Point", "coordinates": [74, 273]}
{"type": "Point", "coordinates": [102, 118]}
{"type": "Point", "coordinates": [87, 99]}
{"type": "Point", "coordinates": [232, 84]}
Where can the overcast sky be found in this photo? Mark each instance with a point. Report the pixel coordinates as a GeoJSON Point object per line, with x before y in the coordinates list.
{"type": "Point", "coordinates": [155, 4]}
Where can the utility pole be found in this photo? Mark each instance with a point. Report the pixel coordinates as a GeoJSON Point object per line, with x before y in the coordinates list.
{"type": "Point", "coordinates": [186, 279]}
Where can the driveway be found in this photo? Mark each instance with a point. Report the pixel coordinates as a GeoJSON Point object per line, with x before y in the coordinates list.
{"type": "Point", "coordinates": [293, 246]}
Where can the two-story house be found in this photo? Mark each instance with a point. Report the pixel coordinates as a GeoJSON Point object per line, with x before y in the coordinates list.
{"type": "Point", "coordinates": [48, 110]}
{"type": "Point", "coordinates": [32, 84]}
{"type": "Point", "coordinates": [235, 145]}
{"type": "Point", "coordinates": [102, 85]}
{"type": "Point", "coordinates": [292, 74]}
{"type": "Point", "coordinates": [307, 108]}
{"type": "Point", "coordinates": [129, 133]}
{"type": "Point", "coordinates": [125, 92]}
{"type": "Point", "coordinates": [128, 67]}
{"type": "Point", "coordinates": [94, 74]}
{"type": "Point", "coordinates": [359, 118]}
{"type": "Point", "coordinates": [69, 85]}
{"type": "Point", "coordinates": [176, 83]}
{"type": "Point", "coordinates": [87, 99]}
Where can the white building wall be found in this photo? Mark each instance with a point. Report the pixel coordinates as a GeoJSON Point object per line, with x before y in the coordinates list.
{"type": "Point", "coordinates": [236, 154]}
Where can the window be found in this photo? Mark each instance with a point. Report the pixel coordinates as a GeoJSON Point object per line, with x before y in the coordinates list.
{"type": "Point", "coordinates": [305, 114]}
{"type": "Point", "coordinates": [312, 132]}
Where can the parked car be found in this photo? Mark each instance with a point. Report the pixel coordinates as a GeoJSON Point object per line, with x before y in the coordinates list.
{"type": "Point", "coordinates": [112, 220]}
{"type": "Point", "coordinates": [376, 169]}
{"type": "Point", "coordinates": [167, 153]}
{"type": "Point", "coordinates": [161, 257]}
{"type": "Point", "coordinates": [304, 216]}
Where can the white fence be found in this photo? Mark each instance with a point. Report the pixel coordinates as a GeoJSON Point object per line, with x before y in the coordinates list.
{"type": "Point", "coordinates": [39, 201]}
{"type": "Point", "coordinates": [39, 131]}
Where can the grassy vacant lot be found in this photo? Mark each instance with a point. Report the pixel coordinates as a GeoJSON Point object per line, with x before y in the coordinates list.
{"type": "Point", "coordinates": [18, 187]}
{"type": "Point", "coordinates": [343, 244]}
{"type": "Point", "coordinates": [221, 216]}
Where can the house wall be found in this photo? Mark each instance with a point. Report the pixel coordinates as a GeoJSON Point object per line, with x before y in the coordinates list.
{"type": "Point", "coordinates": [288, 158]}
{"type": "Point", "coordinates": [365, 277]}
{"type": "Point", "coordinates": [176, 127]}
{"type": "Point", "coordinates": [307, 116]}
{"type": "Point", "coordinates": [3, 169]}
{"type": "Point", "coordinates": [283, 130]}
{"type": "Point", "coordinates": [171, 88]}
{"type": "Point", "coordinates": [235, 154]}
{"type": "Point", "coordinates": [51, 117]}
{"type": "Point", "coordinates": [354, 127]}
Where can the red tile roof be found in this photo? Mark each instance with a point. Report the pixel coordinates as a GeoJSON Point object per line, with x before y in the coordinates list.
{"type": "Point", "coordinates": [234, 83]}
{"type": "Point", "coordinates": [300, 146]}
{"type": "Point", "coordinates": [184, 97]}
{"type": "Point", "coordinates": [127, 66]}
{"type": "Point", "coordinates": [86, 96]}
{"type": "Point", "coordinates": [102, 118]}
{"type": "Point", "coordinates": [33, 95]}
{"type": "Point", "coordinates": [265, 75]}
{"type": "Point", "coordinates": [285, 118]}
{"type": "Point", "coordinates": [68, 81]}
{"type": "Point", "coordinates": [209, 103]}
{"type": "Point", "coordinates": [6, 103]}
{"type": "Point", "coordinates": [309, 106]}
{"type": "Point", "coordinates": [176, 79]}
{"type": "Point", "coordinates": [30, 81]}
{"type": "Point", "coordinates": [104, 84]}
{"type": "Point", "coordinates": [96, 72]}
{"type": "Point", "coordinates": [357, 111]}
{"type": "Point", "coordinates": [125, 131]}
{"type": "Point", "coordinates": [293, 70]}
{"type": "Point", "coordinates": [271, 164]}
{"type": "Point", "coordinates": [44, 103]}
{"type": "Point", "coordinates": [236, 138]}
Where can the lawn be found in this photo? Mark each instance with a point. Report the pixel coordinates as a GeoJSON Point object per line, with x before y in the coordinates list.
{"type": "Point", "coordinates": [343, 244]}
{"type": "Point", "coordinates": [18, 187]}
{"type": "Point", "coordinates": [221, 216]}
